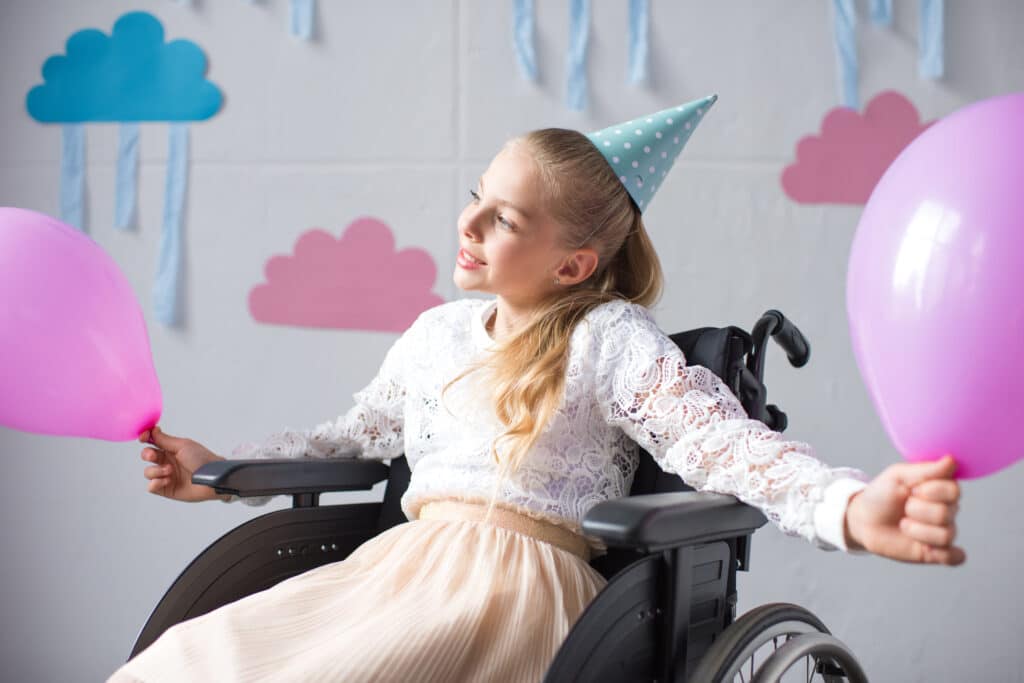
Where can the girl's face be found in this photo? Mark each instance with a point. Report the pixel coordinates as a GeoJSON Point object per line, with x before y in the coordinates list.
{"type": "Point", "coordinates": [508, 241]}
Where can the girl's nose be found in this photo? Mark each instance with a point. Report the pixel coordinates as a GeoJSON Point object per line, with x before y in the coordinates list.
{"type": "Point", "coordinates": [469, 224]}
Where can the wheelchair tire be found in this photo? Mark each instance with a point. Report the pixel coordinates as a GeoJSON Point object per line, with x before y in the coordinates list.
{"type": "Point", "coordinates": [739, 643]}
{"type": "Point", "coordinates": [832, 659]}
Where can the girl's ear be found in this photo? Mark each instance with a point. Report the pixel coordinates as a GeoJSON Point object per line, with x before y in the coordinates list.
{"type": "Point", "coordinates": [578, 267]}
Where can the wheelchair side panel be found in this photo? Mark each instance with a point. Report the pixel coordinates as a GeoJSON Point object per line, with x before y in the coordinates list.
{"type": "Point", "coordinates": [258, 555]}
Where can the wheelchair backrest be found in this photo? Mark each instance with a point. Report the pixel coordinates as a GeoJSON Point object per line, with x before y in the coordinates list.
{"type": "Point", "coordinates": [722, 350]}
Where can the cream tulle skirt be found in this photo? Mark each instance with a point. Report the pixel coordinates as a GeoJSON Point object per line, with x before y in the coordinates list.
{"type": "Point", "coordinates": [447, 597]}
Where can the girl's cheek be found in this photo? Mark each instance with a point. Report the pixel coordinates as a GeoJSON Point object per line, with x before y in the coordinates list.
{"type": "Point", "coordinates": [497, 251]}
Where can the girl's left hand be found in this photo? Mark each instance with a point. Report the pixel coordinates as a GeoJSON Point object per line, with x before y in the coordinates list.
{"type": "Point", "coordinates": [908, 513]}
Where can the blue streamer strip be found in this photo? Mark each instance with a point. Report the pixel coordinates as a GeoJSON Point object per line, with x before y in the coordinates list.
{"type": "Point", "coordinates": [846, 50]}
{"type": "Point", "coordinates": [127, 174]}
{"type": "Point", "coordinates": [522, 36]}
{"type": "Point", "coordinates": [930, 58]}
{"type": "Point", "coordinates": [881, 12]}
{"type": "Point", "coordinates": [638, 24]}
{"type": "Point", "coordinates": [300, 18]}
{"type": "Point", "coordinates": [72, 174]}
{"type": "Point", "coordinates": [579, 35]}
{"type": "Point", "coordinates": [168, 274]}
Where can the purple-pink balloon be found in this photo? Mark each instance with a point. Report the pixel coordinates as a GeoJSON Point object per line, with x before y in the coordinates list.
{"type": "Point", "coordinates": [74, 352]}
{"type": "Point", "coordinates": [935, 290]}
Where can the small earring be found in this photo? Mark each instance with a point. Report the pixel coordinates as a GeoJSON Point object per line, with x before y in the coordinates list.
{"type": "Point", "coordinates": [557, 281]}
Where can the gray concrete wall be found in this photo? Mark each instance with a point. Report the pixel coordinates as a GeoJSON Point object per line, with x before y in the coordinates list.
{"type": "Point", "coordinates": [393, 112]}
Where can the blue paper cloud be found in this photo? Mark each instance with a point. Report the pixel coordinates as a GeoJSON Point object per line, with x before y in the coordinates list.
{"type": "Point", "coordinates": [131, 75]}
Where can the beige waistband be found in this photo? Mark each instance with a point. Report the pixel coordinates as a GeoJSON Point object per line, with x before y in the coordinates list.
{"type": "Point", "coordinates": [511, 520]}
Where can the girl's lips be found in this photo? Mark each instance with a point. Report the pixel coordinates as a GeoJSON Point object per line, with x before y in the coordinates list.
{"type": "Point", "coordinates": [465, 260]}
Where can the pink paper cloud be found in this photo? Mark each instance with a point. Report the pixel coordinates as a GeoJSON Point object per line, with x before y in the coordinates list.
{"type": "Point", "coordinates": [356, 282]}
{"type": "Point", "coordinates": [843, 164]}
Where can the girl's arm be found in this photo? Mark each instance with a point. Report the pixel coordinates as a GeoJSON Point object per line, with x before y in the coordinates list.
{"type": "Point", "coordinates": [692, 425]}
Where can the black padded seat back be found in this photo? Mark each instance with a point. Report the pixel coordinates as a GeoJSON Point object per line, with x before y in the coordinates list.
{"type": "Point", "coordinates": [722, 350]}
{"type": "Point", "coordinates": [398, 481]}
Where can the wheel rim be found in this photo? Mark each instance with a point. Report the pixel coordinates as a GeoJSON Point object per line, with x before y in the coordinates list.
{"type": "Point", "coordinates": [814, 650]}
{"type": "Point", "coordinates": [757, 650]}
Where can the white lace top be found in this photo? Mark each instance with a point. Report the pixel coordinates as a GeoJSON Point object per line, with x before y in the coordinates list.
{"type": "Point", "coordinates": [626, 383]}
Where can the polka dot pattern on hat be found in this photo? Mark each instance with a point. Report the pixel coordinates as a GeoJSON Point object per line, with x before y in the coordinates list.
{"type": "Point", "coordinates": [650, 145]}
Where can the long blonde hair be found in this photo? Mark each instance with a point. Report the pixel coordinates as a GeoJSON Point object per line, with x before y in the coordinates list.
{"type": "Point", "coordinates": [593, 209]}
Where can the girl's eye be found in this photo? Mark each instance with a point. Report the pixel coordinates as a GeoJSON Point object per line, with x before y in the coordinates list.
{"type": "Point", "coordinates": [498, 218]}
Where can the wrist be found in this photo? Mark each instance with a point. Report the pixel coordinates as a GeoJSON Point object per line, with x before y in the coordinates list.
{"type": "Point", "coordinates": [831, 514]}
{"type": "Point", "coordinates": [849, 530]}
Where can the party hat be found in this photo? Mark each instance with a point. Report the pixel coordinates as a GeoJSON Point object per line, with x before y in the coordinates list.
{"type": "Point", "coordinates": [642, 151]}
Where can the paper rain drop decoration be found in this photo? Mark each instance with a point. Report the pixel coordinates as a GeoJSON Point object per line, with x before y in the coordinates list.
{"type": "Point", "coordinates": [127, 77]}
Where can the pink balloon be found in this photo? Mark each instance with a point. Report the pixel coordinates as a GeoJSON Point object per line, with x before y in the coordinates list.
{"type": "Point", "coordinates": [935, 290]}
{"type": "Point", "coordinates": [74, 352]}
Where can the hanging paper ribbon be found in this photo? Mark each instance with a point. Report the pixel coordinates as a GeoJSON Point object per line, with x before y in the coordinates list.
{"type": "Point", "coordinates": [881, 12]}
{"type": "Point", "coordinates": [72, 174]}
{"type": "Point", "coordinates": [522, 37]}
{"type": "Point", "coordinates": [846, 49]}
{"type": "Point", "coordinates": [300, 18]}
{"type": "Point", "coordinates": [129, 76]}
{"type": "Point", "coordinates": [579, 36]}
{"type": "Point", "coordinates": [930, 45]}
{"type": "Point", "coordinates": [930, 58]}
{"type": "Point", "coordinates": [127, 175]}
{"type": "Point", "coordinates": [168, 274]}
{"type": "Point", "coordinates": [638, 25]}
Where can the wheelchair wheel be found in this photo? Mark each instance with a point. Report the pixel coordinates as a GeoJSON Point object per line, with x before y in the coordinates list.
{"type": "Point", "coordinates": [751, 639]}
{"type": "Point", "coordinates": [819, 653]}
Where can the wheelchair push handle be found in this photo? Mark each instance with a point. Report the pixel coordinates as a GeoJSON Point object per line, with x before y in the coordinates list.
{"type": "Point", "coordinates": [788, 336]}
{"type": "Point", "coordinates": [792, 341]}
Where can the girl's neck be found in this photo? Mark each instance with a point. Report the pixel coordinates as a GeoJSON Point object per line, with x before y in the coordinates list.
{"type": "Point", "coordinates": [506, 320]}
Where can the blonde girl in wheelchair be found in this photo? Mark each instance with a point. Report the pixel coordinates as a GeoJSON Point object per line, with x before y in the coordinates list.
{"type": "Point", "coordinates": [517, 414]}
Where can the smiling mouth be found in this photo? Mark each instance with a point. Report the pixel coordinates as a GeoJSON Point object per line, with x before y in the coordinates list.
{"type": "Point", "coordinates": [472, 259]}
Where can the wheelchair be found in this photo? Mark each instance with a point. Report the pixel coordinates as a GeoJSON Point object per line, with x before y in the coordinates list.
{"type": "Point", "coordinates": [668, 611]}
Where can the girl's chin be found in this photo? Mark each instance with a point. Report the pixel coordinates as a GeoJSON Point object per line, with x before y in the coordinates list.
{"type": "Point", "coordinates": [467, 281]}
{"type": "Point", "coordinates": [461, 282]}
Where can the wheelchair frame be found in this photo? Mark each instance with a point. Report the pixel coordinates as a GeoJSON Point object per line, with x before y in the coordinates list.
{"type": "Point", "coordinates": [671, 565]}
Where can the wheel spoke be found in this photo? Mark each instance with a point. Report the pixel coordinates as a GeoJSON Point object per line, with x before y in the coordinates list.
{"type": "Point", "coordinates": [735, 654]}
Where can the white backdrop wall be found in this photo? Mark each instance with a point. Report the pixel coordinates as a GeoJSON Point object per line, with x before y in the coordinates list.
{"type": "Point", "coordinates": [393, 111]}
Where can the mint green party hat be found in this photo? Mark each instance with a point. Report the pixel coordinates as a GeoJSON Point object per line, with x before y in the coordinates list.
{"type": "Point", "coordinates": [642, 151]}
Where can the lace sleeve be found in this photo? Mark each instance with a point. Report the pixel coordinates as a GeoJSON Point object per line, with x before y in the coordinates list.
{"type": "Point", "coordinates": [373, 427]}
{"type": "Point", "coordinates": [692, 425]}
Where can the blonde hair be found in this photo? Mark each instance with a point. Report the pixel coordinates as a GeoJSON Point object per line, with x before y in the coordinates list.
{"type": "Point", "coordinates": [593, 209]}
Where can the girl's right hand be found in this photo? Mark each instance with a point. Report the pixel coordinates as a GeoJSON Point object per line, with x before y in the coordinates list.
{"type": "Point", "coordinates": [174, 460]}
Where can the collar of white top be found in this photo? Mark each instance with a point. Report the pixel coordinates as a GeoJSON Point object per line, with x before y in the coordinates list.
{"type": "Point", "coordinates": [483, 339]}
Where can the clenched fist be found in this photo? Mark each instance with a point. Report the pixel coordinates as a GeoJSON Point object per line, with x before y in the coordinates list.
{"type": "Point", "coordinates": [908, 513]}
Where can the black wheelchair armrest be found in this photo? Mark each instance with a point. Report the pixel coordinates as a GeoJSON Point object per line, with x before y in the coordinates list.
{"type": "Point", "coordinates": [290, 476]}
{"type": "Point", "coordinates": [658, 521]}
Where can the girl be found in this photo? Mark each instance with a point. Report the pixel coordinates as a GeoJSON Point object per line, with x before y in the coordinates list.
{"type": "Point", "coordinates": [518, 414]}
